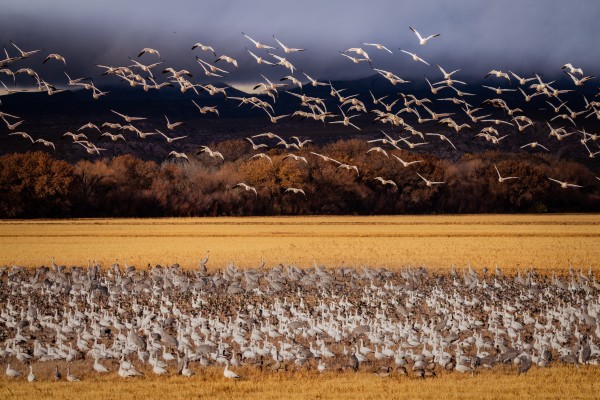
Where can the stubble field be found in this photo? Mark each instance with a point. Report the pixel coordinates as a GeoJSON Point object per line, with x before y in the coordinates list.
{"type": "Point", "coordinates": [548, 243]}
{"type": "Point", "coordinates": [545, 242]}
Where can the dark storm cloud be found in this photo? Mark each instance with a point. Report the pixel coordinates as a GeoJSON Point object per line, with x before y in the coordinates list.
{"type": "Point", "coordinates": [527, 36]}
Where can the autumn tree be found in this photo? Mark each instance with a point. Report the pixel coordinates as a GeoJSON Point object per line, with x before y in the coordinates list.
{"type": "Point", "coordinates": [34, 185]}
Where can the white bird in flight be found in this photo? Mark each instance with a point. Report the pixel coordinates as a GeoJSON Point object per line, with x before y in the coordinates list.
{"type": "Point", "coordinates": [178, 155]}
{"type": "Point", "coordinates": [415, 57]}
{"type": "Point", "coordinates": [406, 163]}
{"type": "Point", "coordinates": [423, 41]}
{"type": "Point", "coordinates": [246, 187]}
{"type": "Point", "coordinates": [204, 48]}
{"type": "Point", "coordinates": [501, 178]}
{"type": "Point", "coordinates": [565, 185]}
{"type": "Point", "coordinates": [148, 50]}
{"type": "Point", "coordinates": [288, 49]}
{"type": "Point", "coordinates": [295, 190]}
{"type": "Point", "coordinates": [385, 181]}
{"type": "Point", "coordinates": [258, 44]}
{"type": "Point", "coordinates": [213, 154]}
{"type": "Point", "coordinates": [378, 46]}
{"type": "Point", "coordinates": [428, 182]}
{"type": "Point", "coordinates": [128, 118]}
{"type": "Point", "coordinates": [169, 139]}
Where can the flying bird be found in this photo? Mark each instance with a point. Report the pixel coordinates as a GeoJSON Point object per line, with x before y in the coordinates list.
{"type": "Point", "coordinates": [295, 190]}
{"type": "Point", "coordinates": [565, 185]}
{"type": "Point", "coordinates": [423, 41]}
{"type": "Point", "coordinates": [428, 182]}
{"type": "Point", "coordinates": [171, 126]}
{"type": "Point", "coordinates": [148, 50]}
{"type": "Point", "coordinates": [501, 178]}
{"type": "Point", "coordinates": [128, 118]}
{"type": "Point", "coordinates": [178, 155]}
{"type": "Point", "coordinates": [378, 46]}
{"type": "Point", "coordinates": [24, 135]}
{"type": "Point", "coordinates": [55, 57]}
{"type": "Point", "coordinates": [204, 48]}
{"type": "Point", "coordinates": [211, 153]}
{"type": "Point", "coordinates": [262, 155]}
{"type": "Point", "coordinates": [406, 163]}
{"type": "Point", "coordinates": [246, 187]}
{"type": "Point", "coordinates": [533, 145]}
{"type": "Point", "coordinates": [385, 181]}
{"type": "Point", "coordinates": [258, 44]}
{"type": "Point", "coordinates": [169, 139]}
{"type": "Point", "coordinates": [287, 49]}
{"type": "Point", "coordinates": [415, 57]}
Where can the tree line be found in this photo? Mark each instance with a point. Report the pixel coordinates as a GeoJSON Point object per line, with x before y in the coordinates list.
{"type": "Point", "coordinates": [37, 185]}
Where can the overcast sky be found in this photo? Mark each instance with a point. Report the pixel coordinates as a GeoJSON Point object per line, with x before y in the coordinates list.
{"type": "Point", "coordinates": [525, 36]}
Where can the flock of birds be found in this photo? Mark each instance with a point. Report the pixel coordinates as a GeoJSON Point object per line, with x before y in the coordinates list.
{"type": "Point", "coordinates": [166, 320]}
{"type": "Point", "coordinates": [493, 116]}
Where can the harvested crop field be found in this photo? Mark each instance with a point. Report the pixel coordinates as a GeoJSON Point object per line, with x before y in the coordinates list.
{"type": "Point", "coordinates": [545, 242]}
{"type": "Point", "coordinates": [265, 319]}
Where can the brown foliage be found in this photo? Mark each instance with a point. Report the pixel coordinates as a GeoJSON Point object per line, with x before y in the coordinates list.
{"type": "Point", "coordinates": [34, 185]}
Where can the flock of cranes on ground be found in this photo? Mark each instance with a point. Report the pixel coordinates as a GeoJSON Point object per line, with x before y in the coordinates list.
{"type": "Point", "coordinates": [165, 320]}
{"type": "Point", "coordinates": [494, 112]}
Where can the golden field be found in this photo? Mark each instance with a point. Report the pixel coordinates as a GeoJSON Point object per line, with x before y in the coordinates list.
{"type": "Point", "coordinates": [558, 382]}
{"type": "Point", "coordinates": [546, 242]}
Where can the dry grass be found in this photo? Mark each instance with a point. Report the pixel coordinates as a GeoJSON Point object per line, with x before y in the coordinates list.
{"type": "Point", "coordinates": [546, 242]}
{"type": "Point", "coordinates": [559, 382]}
